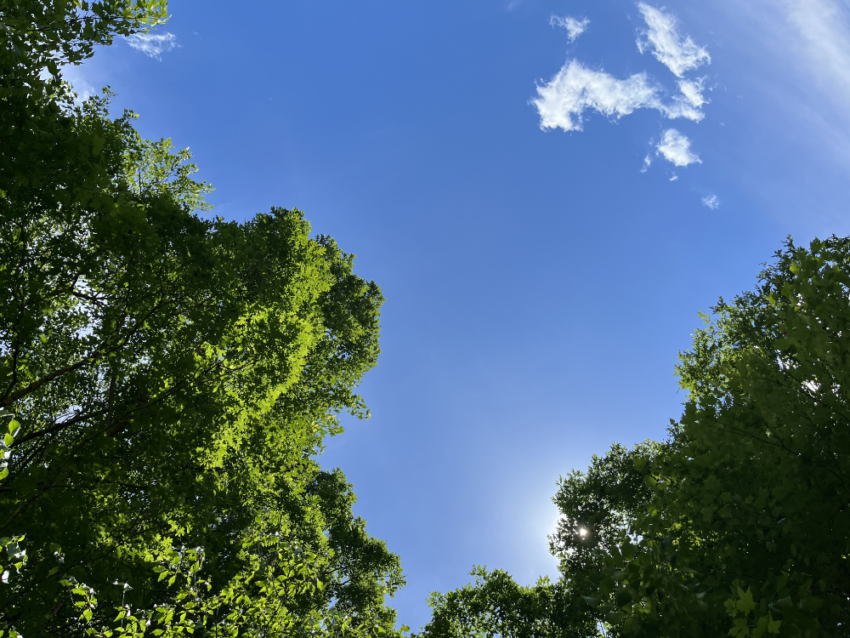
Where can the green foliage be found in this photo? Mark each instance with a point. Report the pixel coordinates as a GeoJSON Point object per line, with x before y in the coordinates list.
{"type": "Point", "coordinates": [166, 380]}
{"type": "Point", "coordinates": [737, 524]}
{"type": "Point", "coordinates": [173, 377]}
{"type": "Point", "coordinates": [596, 509]}
{"type": "Point", "coordinates": [39, 36]}
{"type": "Point", "coordinates": [38, 142]}
{"type": "Point", "coordinates": [259, 599]}
{"type": "Point", "coordinates": [496, 606]}
{"type": "Point", "coordinates": [153, 170]}
{"type": "Point", "coordinates": [753, 500]}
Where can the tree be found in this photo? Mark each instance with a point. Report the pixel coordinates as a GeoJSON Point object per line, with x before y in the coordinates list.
{"type": "Point", "coordinates": [166, 380]}
{"type": "Point", "coordinates": [39, 37]}
{"type": "Point", "coordinates": [752, 504]}
{"type": "Point", "coordinates": [738, 523]}
{"type": "Point", "coordinates": [595, 508]}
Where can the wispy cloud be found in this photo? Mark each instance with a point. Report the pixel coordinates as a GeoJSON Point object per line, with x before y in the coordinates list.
{"type": "Point", "coordinates": [676, 148]}
{"type": "Point", "coordinates": [805, 58]}
{"type": "Point", "coordinates": [647, 162]}
{"type": "Point", "coordinates": [562, 101]}
{"type": "Point", "coordinates": [152, 45]}
{"type": "Point", "coordinates": [818, 46]}
{"type": "Point", "coordinates": [573, 26]}
{"type": "Point", "coordinates": [663, 40]}
{"type": "Point", "coordinates": [824, 30]}
{"type": "Point", "coordinates": [711, 201]}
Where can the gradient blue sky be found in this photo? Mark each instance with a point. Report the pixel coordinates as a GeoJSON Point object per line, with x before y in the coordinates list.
{"type": "Point", "coordinates": [543, 240]}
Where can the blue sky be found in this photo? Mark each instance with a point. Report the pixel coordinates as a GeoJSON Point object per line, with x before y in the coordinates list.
{"type": "Point", "coordinates": [547, 193]}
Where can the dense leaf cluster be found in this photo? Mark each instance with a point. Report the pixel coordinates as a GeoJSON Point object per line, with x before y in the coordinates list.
{"type": "Point", "coordinates": [166, 380]}
{"type": "Point", "coordinates": [39, 37]}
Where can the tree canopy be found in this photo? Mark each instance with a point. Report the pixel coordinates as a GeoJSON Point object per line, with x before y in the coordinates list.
{"type": "Point", "coordinates": [166, 379]}
{"type": "Point", "coordinates": [738, 523]}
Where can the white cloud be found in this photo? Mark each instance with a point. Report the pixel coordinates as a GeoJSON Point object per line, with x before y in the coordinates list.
{"type": "Point", "coordinates": [575, 88]}
{"type": "Point", "coordinates": [680, 107]}
{"type": "Point", "coordinates": [674, 178]}
{"type": "Point", "coordinates": [687, 104]}
{"type": "Point", "coordinates": [668, 47]}
{"type": "Point", "coordinates": [711, 201]}
{"type": "Point", "coordinates": [574, 27]}
{"type": "Point", "coordinates": [692, 92]}
{"type": "Point", "coordinates": [151, 45]}
{"type": "Point", "coordinates": [647, 162]}
{"type": "Point", "coordinates": [676, 148]}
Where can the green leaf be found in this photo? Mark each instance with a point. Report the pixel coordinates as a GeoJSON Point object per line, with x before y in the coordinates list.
{"type": "Point", "coordinates": [745, 601]}
{"type": "Point", "coordinates": [623, 598]}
